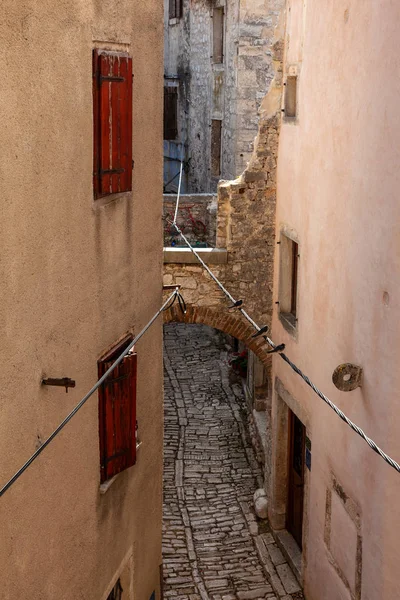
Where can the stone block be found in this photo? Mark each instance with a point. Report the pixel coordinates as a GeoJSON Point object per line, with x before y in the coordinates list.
{"type": "Point", "coordinates": [251, 176]}
{"type": "Point", "coordinates": [186, 282]}
{"type": "Point", "coordinates": [287, 578]}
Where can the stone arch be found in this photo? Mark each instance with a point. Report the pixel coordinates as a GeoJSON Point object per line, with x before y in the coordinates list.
{"type": "Point", "coordinates": [232, 323]}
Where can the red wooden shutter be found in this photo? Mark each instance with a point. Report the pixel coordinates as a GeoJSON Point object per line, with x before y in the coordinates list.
{"type": "Point", "coordinates": [117, 417]}
{"type": "Point", "coordinates": [112, 115]}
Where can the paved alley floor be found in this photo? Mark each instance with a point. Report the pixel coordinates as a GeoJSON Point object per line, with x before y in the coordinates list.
{"type": "Point", "coordinates": [213, 546]}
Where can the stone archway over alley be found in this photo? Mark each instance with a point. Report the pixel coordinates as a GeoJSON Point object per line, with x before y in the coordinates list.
{"type": "Point", "coordinates": [213, 548]}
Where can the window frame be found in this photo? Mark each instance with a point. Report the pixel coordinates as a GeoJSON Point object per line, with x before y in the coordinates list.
{"type": "Point", "coordinates": [112, 122]}
{"type": "Point", "coordinates": [288, 301]}
{"type": "Point", "coordinates": [216, 141]}
{"type": "Point", "coordinates": [291, 98]}
{"type": "Point", "coordinates": [175, 10]}
{"type": "Point", "coordinates": [171, 91]}
{"type": "Point", "coordinates": [127, 381]}
{"type": "Point", "coordinates": [218, 53]}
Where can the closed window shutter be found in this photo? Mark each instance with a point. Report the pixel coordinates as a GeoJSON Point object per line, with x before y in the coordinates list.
{"type": "Point", "coordinates": [175, 9]}
{"type": "Point", "coordinates": [112, 113]}
{"type": "Point", "coordinates": [117, 417]}
{"type": "Point", "coordinates": [170, 113]}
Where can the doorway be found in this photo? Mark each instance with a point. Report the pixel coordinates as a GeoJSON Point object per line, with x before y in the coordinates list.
{"type": "Point", "coordinates": [297, 444]}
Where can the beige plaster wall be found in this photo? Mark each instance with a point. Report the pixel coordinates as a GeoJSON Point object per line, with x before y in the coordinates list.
{"type": "Point", "coordinates": [338, 182]}
{"type": "Point", "coordinates": [75, 276]}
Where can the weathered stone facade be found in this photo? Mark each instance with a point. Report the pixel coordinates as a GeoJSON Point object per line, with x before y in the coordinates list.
{"type": "Point", "coordinates": [255, 71]}
{"type": "Point", "coordinates": [231, 91]}
{"type": "Point", "coordinates": [246, 229]}
{"type": "Point", "coordinates": [245, 225]}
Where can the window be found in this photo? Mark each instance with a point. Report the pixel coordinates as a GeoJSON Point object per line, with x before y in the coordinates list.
{"type": "Point", "coordinates": [291, 97]}
{"type": "Point", "coordinates": [216, 137]}
{"type": "Point", "coordinates": [116, 592]}
{"type": "Point", "coordinates": [218, 35]}
{"type": "Point", "coordinates": [112, 119]}
{"type": "Point", "coordinates": [175, 9]}
{"type": "Point", "coordinates": [289, 254]}
{"type": "Point", "coordinates": [117, 414]}
{"type": "Point", "coordinates": [170, 113]}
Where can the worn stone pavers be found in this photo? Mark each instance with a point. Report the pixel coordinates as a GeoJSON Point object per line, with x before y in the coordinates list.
{"type": "Point", "coordinates": [211, 546]}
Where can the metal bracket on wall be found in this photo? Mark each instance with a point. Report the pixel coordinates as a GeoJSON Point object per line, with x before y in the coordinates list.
{"type": "Point", "coordinates": [62, 382]}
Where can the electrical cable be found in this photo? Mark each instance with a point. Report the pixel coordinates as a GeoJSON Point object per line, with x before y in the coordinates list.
{"type": "Point", "coordinates": [18, 474]}
{"type": "Point", "coordinates": [294, 367]}
{"type": "Point", "coordinates": [179, 189]}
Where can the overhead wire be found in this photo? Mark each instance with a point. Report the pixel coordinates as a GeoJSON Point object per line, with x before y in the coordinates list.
{"type": "Point", "coordinates": [167, 304]}
{"type": "Point", "coordinates": [179, 189]}
{"type": "Point", "coordinates": [279, 350]}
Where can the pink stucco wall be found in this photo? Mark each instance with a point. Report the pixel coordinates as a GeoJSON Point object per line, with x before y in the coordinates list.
{"type": "Point", "coordinates": [338, 185]}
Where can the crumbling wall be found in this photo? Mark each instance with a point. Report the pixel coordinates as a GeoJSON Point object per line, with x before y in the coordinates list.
{"type": "Point", "coordinates": [255, 70]}
{"type": "Point", "coordinates": [230, 92]}
{"type": "Point", "coordinates": [245, 223]}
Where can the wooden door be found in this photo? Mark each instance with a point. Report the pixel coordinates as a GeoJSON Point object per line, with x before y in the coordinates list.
{"type": "Point", "coordinates": [297, 443]}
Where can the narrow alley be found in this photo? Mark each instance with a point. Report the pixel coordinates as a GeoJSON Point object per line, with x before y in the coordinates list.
{"type": "Point", "coordinates": [213, 545]}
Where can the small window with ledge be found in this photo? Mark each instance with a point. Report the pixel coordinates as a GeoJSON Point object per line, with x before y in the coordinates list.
{"type": "Point", "coordinates": [175, 9]}
{"type": "Point", "coordinates": [291, 97]}
{"type": "Point", "coordinates": [288, 282]}
{"type": "Point", "coordinates": [218, 35]}
{"type": "Point", "coordinates": [216, 147]}
{"type": "Point", "coordinates": [170, 113]}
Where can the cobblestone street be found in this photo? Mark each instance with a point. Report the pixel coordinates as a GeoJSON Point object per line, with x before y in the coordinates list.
{"type": "Point", "coordinates": [213, 548]}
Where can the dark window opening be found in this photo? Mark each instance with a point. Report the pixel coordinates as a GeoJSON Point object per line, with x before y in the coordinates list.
{"type": "Point", "coordinates": [288, 287]}
{"type": "Point", "coordinates": [170, 113]}
{"type": "Point", "coordinates": [218, 35]}
{"type": "Point", "coordinates": [175, 9]}
{"type": "Point", "coordinates": [112, 121]}
{"type": "Point", "coordinates": [291, 97]}
{"type": "Point", "coordinates": [295, 260]}
{"type": "Point", "coordinates": [216, 140]}
{"type": "Point", "coordinates": [294, 515]}
{"type": "Point", "coordinates": [117, 413]}
{"type": "Point", "coordinates": [116, 592]}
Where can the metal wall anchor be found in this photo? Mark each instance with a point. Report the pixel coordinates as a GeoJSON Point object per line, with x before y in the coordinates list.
{"type": "Point", "coordinates": [62, 382]}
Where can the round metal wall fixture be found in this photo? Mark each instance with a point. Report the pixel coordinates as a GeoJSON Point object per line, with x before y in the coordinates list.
{"type": "Point", "coordinates": [347, 377]}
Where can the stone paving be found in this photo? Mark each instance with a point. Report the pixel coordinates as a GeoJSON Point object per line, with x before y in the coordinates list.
{"type": "Point", "coordinates": [213, 546]}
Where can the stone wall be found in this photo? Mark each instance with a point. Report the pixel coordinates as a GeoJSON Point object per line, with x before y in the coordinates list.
{"type": "Point", "coordinates": [246, 229]}
{"type": "Point", "coordinates": [231, 92]}
{"type": "Point", "coordinates": [255, 70]}
{"type": "Point", "coordinates": [245, 224]}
